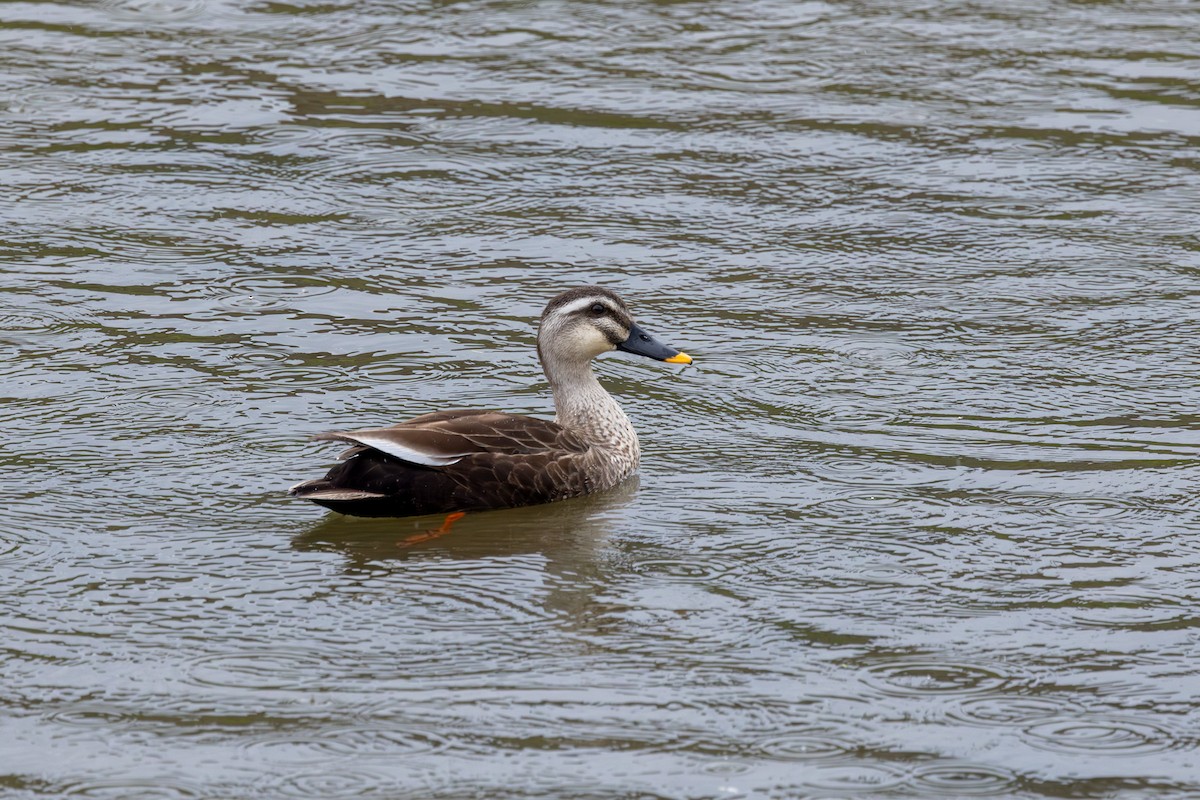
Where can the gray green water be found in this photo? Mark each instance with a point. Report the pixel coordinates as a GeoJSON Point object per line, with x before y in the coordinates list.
{"type": "Point", "coordinates": [922, 521]}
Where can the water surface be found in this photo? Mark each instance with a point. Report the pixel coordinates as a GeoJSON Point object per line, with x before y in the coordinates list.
{"type": "Point", "coordinates": [922, 521]}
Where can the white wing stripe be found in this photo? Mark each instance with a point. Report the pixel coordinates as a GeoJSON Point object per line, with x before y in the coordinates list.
{"type": "Point", "coordinates": [407, 453]}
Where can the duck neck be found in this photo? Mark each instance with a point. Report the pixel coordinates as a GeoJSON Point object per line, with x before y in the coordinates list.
{"type": "Point", "coordinates": [583, 405]}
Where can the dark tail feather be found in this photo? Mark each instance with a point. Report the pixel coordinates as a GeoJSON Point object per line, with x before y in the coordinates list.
{"type": "Point", "coordinates": [321, 489]}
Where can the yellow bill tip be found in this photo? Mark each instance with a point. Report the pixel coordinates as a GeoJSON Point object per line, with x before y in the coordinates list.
{"type": "Point", "coordinates": [679, 358]}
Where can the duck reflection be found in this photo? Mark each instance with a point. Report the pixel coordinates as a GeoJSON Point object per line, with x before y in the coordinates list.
{"type": "Point", "coordinates": [569, 538]}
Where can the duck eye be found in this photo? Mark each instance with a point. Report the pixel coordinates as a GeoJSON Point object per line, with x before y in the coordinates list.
{"type": "Point", "coordinates": [597, 309]}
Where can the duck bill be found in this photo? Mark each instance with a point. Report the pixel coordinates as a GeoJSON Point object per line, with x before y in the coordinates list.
{"type": "Point", "coordinates": [643, 344]}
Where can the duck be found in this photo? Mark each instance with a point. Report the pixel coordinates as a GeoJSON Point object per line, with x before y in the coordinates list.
{"type": "Point", "coordinates": [463, 459]}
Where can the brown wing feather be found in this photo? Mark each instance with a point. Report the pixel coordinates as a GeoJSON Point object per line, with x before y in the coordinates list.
{"type": "Point", "coordinates": [458, 460]}
{"type": "Point", "coordinates": [434, 440]}
{"type": "Point", "coordinates": [497, 432]}
{"type": "Point", "coordinates": [441, 416]}
{"type": "Point", "coordinates": [415, 422]}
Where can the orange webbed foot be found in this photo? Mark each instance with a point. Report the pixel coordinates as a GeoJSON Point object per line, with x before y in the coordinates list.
{"type": "Point", "coordinates": [434, 533]}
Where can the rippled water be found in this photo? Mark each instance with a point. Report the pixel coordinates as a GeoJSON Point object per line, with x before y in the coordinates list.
{"type": "Point", "coordinates": [921, 522]}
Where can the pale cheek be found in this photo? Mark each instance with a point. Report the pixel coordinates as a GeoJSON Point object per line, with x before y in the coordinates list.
{"type": "Point", "coordinates": [590, 342]}
{"type": "Point", "coordinates": [598, 343]}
